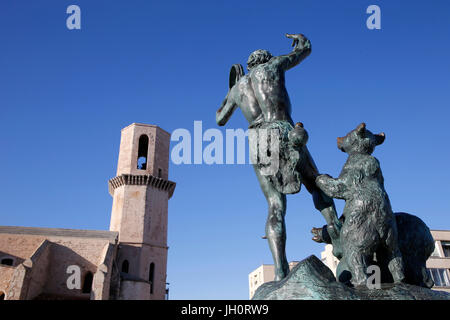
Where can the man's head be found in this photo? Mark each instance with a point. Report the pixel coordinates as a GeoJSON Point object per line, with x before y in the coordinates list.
{"type": "Point", "coordinates": [258, 57]}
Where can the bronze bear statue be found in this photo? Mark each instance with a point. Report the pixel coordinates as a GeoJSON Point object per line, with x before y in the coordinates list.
{"type": "Point", "coordinates": [369, 224]}
{"type": "Point", "coordinates": [367, 212]}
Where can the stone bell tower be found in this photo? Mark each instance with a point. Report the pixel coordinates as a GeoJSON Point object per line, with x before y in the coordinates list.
{"type": "Point", "coordinates": [140, 192]}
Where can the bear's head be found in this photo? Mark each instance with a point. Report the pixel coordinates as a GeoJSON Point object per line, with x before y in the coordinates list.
{"type": "Point", "coordinates": [360, 140]}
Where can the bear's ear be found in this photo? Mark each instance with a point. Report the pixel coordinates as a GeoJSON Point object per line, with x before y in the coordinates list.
{"type": "Point", "coordinates": [361, 130]}
{"type": "Point", "coordinates": [340, 141]}
{"type": "Point", "coordinates": [379, 138]}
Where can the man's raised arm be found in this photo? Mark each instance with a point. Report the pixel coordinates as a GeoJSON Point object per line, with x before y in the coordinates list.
{"type": "Point", "coordinates": [302, 49]}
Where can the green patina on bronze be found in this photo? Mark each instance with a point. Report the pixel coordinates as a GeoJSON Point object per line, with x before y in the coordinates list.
{"type": "Point", "coordinates": [371, 233]}
{"type": "Point", "coordinates": [368, 233]}
{"type": "Point", "coordinates": [263, 99]}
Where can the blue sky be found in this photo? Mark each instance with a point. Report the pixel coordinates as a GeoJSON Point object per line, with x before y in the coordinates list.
{"type": "Point", "coordinates": [65, 95]}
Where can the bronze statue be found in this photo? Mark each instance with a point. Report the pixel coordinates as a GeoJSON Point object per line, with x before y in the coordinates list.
{"type": "Point", "coordinates": [262, 96]}
{"type": "Point", "coordinates": [371, 233]}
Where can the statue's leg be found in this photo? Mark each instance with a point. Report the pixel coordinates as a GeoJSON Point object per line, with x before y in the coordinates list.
{"type": "Point", "coordinates": [343, 273]}
{"type": "Point", "coordinates": [394, 256]}
{"type": "Point", "coordinates": [275, 225]}
{"type": "Point", "coordinates": [357, 264]}
{"type": "Point", "coordinates": [322, 202]}
{"type": "Point", "coordinates": [382, 261]}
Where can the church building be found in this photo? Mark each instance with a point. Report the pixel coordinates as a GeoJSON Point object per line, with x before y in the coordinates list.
{"type": "Point", "coordinates": [127, 262]}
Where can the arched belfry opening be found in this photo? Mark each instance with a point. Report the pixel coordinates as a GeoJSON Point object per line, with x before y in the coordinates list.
{"type": "Point", "coordinates": [142, 152]}
{"type": "Point", "coordinates": [87, 284]}
{"type": "Point", "coordinates": [125, 266]}
{"type": "Point", "coordinates": [7, 261]}
{"type": "Point", "coordinates": [151, 276]}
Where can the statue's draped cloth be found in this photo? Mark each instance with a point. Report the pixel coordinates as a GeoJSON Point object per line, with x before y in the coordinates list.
{"type": "Point", "coordinates": [277, 153]}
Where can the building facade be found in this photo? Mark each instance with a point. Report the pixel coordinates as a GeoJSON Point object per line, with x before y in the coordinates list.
{"type": "Point", "coordinates": [329, 259]}
{"type": "Point", "coordinates": [438, 264]}
{"type": "Point", "coordinates": [127, 262]}
{"type": "Point", "coordinates": [264, 273]}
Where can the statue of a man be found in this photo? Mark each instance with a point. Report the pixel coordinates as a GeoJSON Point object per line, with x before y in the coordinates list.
{"type": "Point", "coordinates": [262, 96]}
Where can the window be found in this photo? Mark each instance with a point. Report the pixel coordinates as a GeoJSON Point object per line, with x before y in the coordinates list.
{"type": "Point", "coordinates": [87, 284]}
{"type": "Point", "coordinates": [446, 249]}
{"type": "Point", "coordinates": [142, 152]}
{"type": "Point", "coordinates": [159, 173]}
{"type": "Point", "coordinates": [440, 277]}
{"type": "Point", "coordinates": [436, 250]}
{"type": "Point", "coordinates": [2, 295]}
{"type": "Point", "coordinates": [7, 261]}
{"type": "Point", "coordinates": [125, 266]}
{"type": "Point", "coordinates": [151, 276]}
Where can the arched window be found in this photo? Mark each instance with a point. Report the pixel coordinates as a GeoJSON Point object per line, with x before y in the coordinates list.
{"type": "Point", "coordinates": [151, 276]}
{"type": "Point", "coordinates": [2, 295]}
{"type": "Point", "coordinates": [87, 284]}
{"type": "Point", "coordinates": [125, 266]}
{"type": "Point", "coordinates": [142, 152]}
{"type": "Point", "coordinates": [7, 261]}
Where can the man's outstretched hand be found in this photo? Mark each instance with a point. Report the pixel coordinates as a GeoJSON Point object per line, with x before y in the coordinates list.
{"type": "Point", "coordinates": [299, 40]}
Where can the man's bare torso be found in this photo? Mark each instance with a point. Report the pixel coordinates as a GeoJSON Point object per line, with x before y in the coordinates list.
{"type": "Point", "coordinates": [261, 94]}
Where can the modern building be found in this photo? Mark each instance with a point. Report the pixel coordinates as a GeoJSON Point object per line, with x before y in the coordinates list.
{"type": "Point", "coordinates": [438, 264]}
{"type": "Point", "coordinates": [329, 259]}
{"type": "Point", "coordinates": [264, 273]}
{"type": "Point", "coordinates": [127, 262]}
